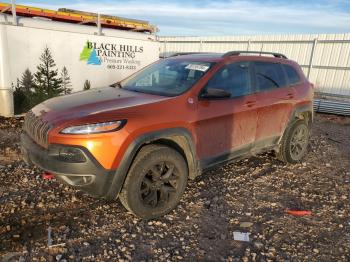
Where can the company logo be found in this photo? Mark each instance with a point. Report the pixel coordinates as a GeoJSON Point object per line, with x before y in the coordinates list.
{"type": "Point", "coordinates": [110, 53]}
{"type": "Point", "coordinates": [89, 54]}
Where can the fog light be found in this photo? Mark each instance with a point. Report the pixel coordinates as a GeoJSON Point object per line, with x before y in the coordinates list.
{"type": "Point", "coordinates": [71, 155]}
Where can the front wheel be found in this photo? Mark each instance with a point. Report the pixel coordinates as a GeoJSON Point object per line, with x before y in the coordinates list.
{"type": "Point", "coordinates": [155, 182]}
{"type": "Point", "coordinates": [293, 145]}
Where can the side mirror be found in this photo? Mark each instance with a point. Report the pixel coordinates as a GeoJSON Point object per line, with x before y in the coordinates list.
{"type": "Point", "coordinates": [215, 93]}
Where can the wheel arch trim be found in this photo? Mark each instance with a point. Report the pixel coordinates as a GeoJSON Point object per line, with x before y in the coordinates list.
{"type": "Point", "coordinates": [180, 136]}
{"type": "Point", "coordinates": [298, 111]}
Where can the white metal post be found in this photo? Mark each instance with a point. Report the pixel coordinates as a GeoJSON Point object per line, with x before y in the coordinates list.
{"type": "Point", "coordinates": [99, 28]}
{"type": "Point", "coordinates": [14, 16]}
{"type": "Point", "coordinates": [248, 45]}
{"type": "Point", "coordinates": [164, 49]}
{"type": "Point", "coordinates": [6, 95]}
{"type": "Point", "coordinates": [200, 45]}
{"type": "Point", "coordinates": [312, 57]}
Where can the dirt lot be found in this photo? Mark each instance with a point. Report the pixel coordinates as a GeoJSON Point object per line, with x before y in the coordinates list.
{"type": "Point", "coordinates": [249, 196]}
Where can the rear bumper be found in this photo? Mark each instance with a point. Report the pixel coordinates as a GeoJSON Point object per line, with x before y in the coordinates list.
{"type": "Point", "coordinates": [85, 174]}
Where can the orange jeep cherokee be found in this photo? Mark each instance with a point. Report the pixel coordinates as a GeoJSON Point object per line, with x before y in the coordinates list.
{"type": "Point", "coordinates": [142, 138]}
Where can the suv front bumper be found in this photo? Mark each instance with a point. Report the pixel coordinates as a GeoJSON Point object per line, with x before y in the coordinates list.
{"type": "Point", "coordinates": [78, 169]}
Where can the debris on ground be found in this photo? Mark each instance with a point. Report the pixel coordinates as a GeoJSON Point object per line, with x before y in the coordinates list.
{"type": "Point", "coordinates": [299, 213]}
{"type": "Point", "coordinates": [241, 236]}
{"type": "Point", "coordinates": [250, 196]}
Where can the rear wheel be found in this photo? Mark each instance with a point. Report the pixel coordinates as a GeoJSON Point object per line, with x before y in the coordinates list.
{"type": "Point", "coordinates": [155, 182]}
{"type": "Point", "coordinates": [293, 146]}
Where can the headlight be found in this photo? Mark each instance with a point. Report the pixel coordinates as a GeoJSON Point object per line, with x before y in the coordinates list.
{"type": "Point", "coordinates": [94, 128]}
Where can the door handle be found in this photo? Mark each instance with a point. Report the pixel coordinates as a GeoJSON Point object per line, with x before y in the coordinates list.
{"type": "Point", "coordinates": [250, 103]}
{"type": "Point", "coordinates": [290, 95]}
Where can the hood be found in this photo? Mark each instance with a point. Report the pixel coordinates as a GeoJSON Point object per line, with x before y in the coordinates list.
{"type": "Point", "coordinates": [101, 101]}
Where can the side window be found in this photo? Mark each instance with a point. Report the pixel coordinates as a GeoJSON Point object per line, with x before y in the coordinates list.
{"type": "Point", "coordinates": [233, 78]}
{"type": "Point", "coordinates": [292, 74]}
{"type": "Point", "coordinates": [269, 76]}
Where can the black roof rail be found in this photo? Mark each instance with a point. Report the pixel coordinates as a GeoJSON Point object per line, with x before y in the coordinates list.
{"type": "Point", "coordinates": [184, 53]}
{"type": "Point", "coordinates": [233, 53]}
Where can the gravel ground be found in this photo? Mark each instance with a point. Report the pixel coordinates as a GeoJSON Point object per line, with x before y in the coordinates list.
{"type": "Point", "coordinates": [249, 196]}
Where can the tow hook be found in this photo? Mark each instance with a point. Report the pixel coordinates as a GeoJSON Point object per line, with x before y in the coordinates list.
{"type": "Point", "coordinates": [47, 176]}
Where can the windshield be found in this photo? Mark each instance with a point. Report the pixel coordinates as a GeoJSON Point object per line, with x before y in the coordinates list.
{"type": "Point", "coordinates": [167, 77]}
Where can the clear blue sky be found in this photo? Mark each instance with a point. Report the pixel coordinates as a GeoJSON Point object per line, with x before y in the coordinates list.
{"type": "Point", "coordinates": [223, 17]}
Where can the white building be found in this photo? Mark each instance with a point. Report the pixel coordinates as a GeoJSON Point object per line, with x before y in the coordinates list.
{"type": "Point", "coordinates": [100, 55]}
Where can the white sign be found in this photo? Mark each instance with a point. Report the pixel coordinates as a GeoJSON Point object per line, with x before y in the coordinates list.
{"type": "Point", "coordinates": [197, 67]}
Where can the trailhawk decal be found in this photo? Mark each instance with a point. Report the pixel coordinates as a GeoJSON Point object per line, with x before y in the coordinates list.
{"type": "Point", "coordinates": [115, 56]}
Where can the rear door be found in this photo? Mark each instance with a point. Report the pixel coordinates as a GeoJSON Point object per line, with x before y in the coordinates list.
{"type": "Point", "coordinates": [275, 98]}
{"type": "Point", "coordinates": [226, 127]}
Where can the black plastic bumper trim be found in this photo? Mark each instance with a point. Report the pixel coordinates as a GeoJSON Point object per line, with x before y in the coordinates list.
{"type": "Point", "coordinates": [47, 159]}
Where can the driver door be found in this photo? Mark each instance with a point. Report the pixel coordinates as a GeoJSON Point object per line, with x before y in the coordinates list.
{"type": "Point", "coordinates": [226, 127]}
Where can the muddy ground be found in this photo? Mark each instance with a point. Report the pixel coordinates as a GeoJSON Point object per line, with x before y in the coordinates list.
{"type": "Point", "coordinates": [248, 196]}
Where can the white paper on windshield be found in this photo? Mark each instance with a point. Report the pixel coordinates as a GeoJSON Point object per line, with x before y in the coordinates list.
{"type": "Point", "coordinates": [197, 67]}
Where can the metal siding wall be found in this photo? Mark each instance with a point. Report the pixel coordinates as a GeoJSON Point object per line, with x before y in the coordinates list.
{"type": "Point", "coordinates": [330, 70]}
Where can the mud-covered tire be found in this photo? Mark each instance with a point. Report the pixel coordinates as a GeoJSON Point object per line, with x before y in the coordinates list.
{"type": "Point", "coordinates": [155, 182]}
{"type": "Point", "coordinates": [293, 145]}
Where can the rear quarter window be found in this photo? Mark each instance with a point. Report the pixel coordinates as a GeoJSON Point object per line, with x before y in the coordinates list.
{"type": "Point", "coordinates": [292, 75]}
{"type": "Point", "coordinates": [269, 76]}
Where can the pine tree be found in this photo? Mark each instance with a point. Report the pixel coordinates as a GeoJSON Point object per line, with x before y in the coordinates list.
{"type": "Point", "coordinates": [87, 85]}
{"type": "Point", "coordinates": [23, 92]}
{"type": "Point", "coordinates": [66, 83]}
{"type": "Point", "coordinates": [27, 85]}
{"type": "Point", "coordinates": [19, 98]}
{"type": "Point", "coordinates": [27, 82]}
{"type": "Point", "coordinates": [16, 86]}
{"type": "Point", "coordinates": [47, 82]}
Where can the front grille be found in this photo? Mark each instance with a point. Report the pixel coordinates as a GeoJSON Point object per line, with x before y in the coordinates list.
{"type": "Point", "coordinates": [36, 128]}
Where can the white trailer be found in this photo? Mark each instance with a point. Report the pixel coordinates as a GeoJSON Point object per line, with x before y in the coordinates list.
{"type": "Point", "coordinates": [100, 55]}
